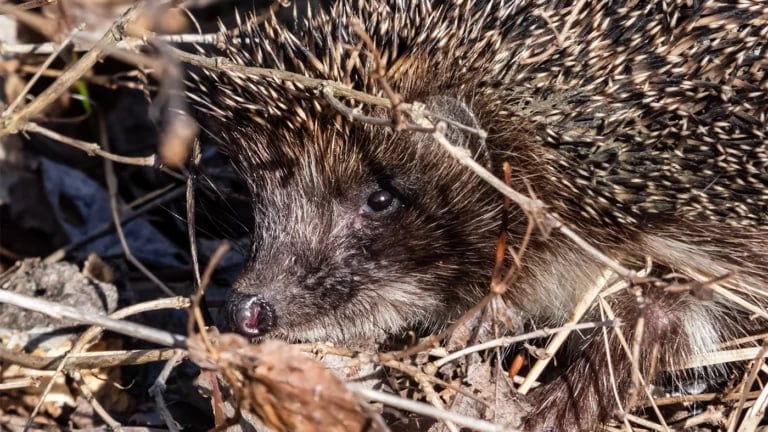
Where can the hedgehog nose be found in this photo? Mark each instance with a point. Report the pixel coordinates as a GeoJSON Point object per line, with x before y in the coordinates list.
{"type": "Point", "coordinates": [251, 316]}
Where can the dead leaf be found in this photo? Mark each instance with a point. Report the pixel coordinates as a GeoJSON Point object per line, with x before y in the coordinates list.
{"type": "Point", "coordinates": [285, 388]}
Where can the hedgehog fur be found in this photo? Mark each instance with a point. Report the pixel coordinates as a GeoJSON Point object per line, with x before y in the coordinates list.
{"type": "Point", "coordinates": [642, 125]}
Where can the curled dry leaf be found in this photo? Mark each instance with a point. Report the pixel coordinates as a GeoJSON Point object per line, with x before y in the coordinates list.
{"type": "Point", "coordinates": [95, 268]}
{"type": "Point", "coordinates": [285, 388]}
{"type": "Point", "coordinates": [177, 140]}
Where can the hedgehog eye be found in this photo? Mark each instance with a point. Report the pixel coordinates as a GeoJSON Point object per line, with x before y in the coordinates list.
{"type": "Point", "coordinates": [380, 201]}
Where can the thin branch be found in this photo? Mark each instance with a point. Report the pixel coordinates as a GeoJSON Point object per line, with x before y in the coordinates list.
{"type": "Point", "coordinates": [60, 311]}
{"type": "Point", "coordinates": [87, 360]}
{"type": "Point", "coordinates": [12, 107]}
{"type": "Point", "coordinates": [424, 409]}
{"type": "Point", "coordinates": [158, 388]}
{"type": "Point", "coordinates": [612, 374]}
{"type": "Point", "coordinates": [194, 309]}
{"type": "Point", "coordinates": [577, 313]}
{"type": "Point", "coordinates": [32, 4]}
{"type": "Point", "coordinates": [82, 386]}
{"type": "Point", "coordinates": [16, 122]}
{"type": "Point", "coordinates": [635, 367]}
{"type": "Point", "coordinates": [92, 149]}
{"type": "Point", "coordinates": [508, 340]}
{"type": "Point", "coordinates": [748, 383]}
{"type": "Point", "coordinates": [221, 64]}
{"type": "Point", "coordinates": [114, 206]}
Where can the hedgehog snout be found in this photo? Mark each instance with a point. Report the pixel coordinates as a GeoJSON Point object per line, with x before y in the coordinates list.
{"type": "Point", "coordinates": [251, 315]}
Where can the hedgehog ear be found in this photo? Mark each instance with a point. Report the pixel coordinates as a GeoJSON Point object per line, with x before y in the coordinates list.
{"type": "Point", "coordinates": [456, 112]}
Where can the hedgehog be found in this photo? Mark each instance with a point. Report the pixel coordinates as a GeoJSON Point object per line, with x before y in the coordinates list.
{"type": "Point", "coordinates": [641, 125]}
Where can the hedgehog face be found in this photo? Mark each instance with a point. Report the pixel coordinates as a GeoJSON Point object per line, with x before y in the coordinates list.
{"type": "Point", "coordinates": [353, 240]}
